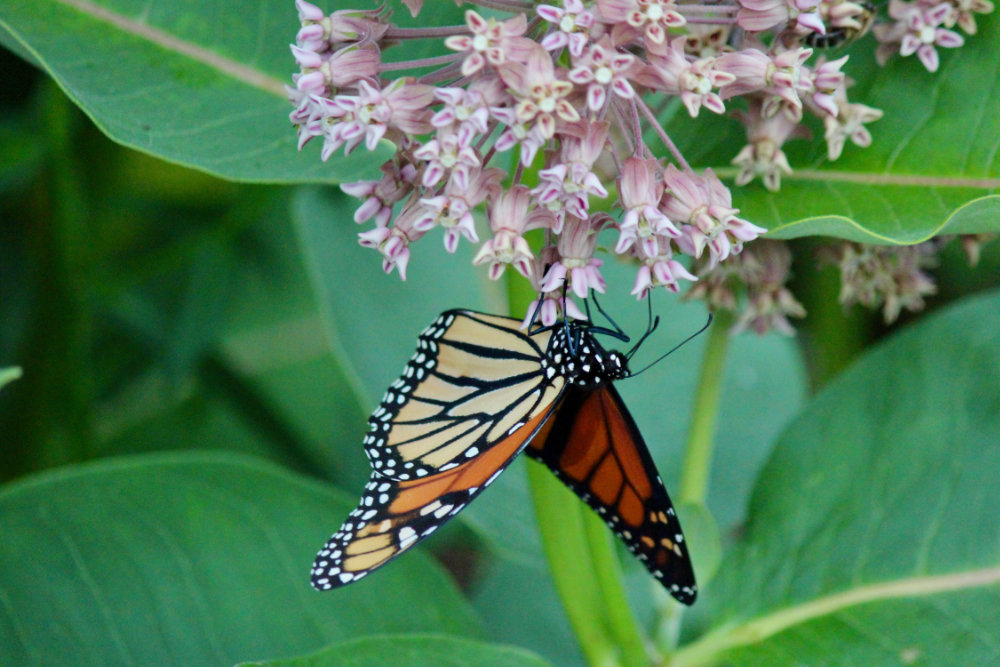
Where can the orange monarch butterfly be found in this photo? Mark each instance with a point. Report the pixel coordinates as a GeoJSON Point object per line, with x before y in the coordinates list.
{"type": "Point", "coordinates": [477, 392]}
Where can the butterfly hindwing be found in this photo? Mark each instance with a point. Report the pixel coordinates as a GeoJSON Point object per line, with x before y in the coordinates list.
{"type": "Point", "coordinates": [393, 515]}
{"type": "Point", "coordinates": [473, 379]}
{"type": "Point", "coordinates": [593, 445]}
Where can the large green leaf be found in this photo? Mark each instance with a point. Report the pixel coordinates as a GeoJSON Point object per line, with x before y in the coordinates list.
{"type": "Point", "coordinates": [874, 520]}
{"type": "Point", "coordinates": [930, 170]}
{"type": "Point", "coordinates": [195, 82]}
{"type": "Point", "coordinates": [190, 559]}
{"type": "Point", "coordinates": [407, 650]}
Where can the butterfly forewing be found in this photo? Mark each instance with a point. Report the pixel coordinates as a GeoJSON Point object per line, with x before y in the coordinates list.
{"type": "Point", "coordinates": [394, 515]}
{"type": "Point", "coordinates": [593, 446]}
{"type": "Point", "coordinates": [473, 380]}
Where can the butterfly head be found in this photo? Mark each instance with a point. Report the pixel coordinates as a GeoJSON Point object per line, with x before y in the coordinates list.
{"type": "Point", "coordinates": [576, 354]}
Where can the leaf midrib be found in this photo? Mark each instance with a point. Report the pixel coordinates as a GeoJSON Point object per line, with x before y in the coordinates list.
{"type": "Point", "coordinates": [705, 650]}
{"type": "Point", "coordinates": [231, 68]}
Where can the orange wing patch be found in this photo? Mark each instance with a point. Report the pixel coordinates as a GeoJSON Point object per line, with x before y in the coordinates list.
{"type": "Point", "coordinates": [394, 515]}
{"type": "Point", "coordinates": [593, 446]}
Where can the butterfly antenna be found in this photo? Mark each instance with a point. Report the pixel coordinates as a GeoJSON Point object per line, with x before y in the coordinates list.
{"type": "Point", "coordinates": [618, 332]}
{"type": "Point", "coordinates": [651, 325]}
{"type": "Point", "coordinates": [537, 303]}
{"type": "Point", "coordinates": [675, 347]}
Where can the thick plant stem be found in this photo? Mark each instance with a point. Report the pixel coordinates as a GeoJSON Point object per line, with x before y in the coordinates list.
{"type": "Point", "coordinates": [581, 558]}
{"type": "Point", "coordinates": [561, 520]}
{"type": "Point", "coordinates": [698, 452]}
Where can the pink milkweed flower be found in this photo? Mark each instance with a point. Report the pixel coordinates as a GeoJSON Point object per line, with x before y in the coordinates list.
{"type": "Point", "coordinates": [398, 179]}
{"type": "Point", "coordinates": [672, 71]}
{"type": "Point", "coordinates": [517, 133]}
{"type": "Point", "coordinates": [541, 96]}
{"type": "Point", "coordinates": [447, 154]}
{"type": "Point", "coordinates": [849, 123]}
{"type": "Point", "coordinates": [842, 14]}
{"type": "Point", "coordinates": [452, 210]}
{"type": "Point", "coordinates": [779, 77]}
{"type": "Point", "coordinates": [603, 67]}
{"type": "Point", "coordinates": [573, 23]}
{"type": "Point", "coordinates": [924, 32]}
{"type": "Point", "coordinates": [401, 105]}
{"type": "Point", "coordinates": [826, 79]}
{"type": "Point", "coordinates": [576, 263]}
{"type": "Point", "coordinates": [322, 33]}
{"type": "Point", "coordinates": [640, 189]}
{"type": "Point", "coordinates": [650, 18]}
{"type": "Point", "coordinates": [394, 242]}
{"type": "Point", "coordinates": [548, 305]}
{"type": "Point", "coordinates": [764, 268]}
{"type": "Point", "coordinates": [760, 15]}
{"type": "Point", "coordinates": [566, 186]}
{"type": "Point", "coordinates": [964, 14]}
{"type": "Point", "coordinates": [509, 218]}
{"type": "Point", "coordinates": [705, 205]}
{"type": "Point", "coordinates": [323, 74]}
{"type": "Point", "coordinates": [491, 41]}
{"type": "Point", "coordinates": [661, 271]}
{"type": "Point", "coordinates": [464, 111]}
{"type": "Point", "coordinates": [762, 156]}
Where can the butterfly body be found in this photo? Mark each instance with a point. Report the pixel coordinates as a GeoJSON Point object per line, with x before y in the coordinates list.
{"type": "Point", "coordinates": [476, 393]}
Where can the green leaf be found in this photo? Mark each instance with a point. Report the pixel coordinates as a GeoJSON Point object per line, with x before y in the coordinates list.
{"type": "Point", "coordinates": [877, 505]}
{"type": "Point", "coordinates": [190, 559]}
{"type": "Point", "coordinates": [518, 603]}
{"type": "Point", "coordinates": [407, 650]}
{"type": "Point", "coordinates": [198, 83]}
{"type": "Point", "coordinates": [930, 170]}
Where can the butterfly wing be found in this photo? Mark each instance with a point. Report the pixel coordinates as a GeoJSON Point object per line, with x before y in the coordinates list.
{"type": "Point", "coordinates": [474, 379]}
{"type": "Point", "coordinates": [394, 515]}
{"type": "Point", "coordinates": [593, 445]}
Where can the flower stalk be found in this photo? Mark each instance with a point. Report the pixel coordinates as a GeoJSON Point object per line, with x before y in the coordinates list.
{"type": "Point", "coordinates": [704, 413]}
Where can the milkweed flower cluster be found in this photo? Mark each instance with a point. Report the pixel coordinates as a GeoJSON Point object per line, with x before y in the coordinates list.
{"type": "Point", "coordinates": [538, 115]}
{"type": "Point", "coordinates": [893, 277]}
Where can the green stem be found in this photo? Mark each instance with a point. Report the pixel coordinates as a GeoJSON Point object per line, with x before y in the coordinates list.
{"type": "Point", "coordinates": [581, 557]}
{"type": "Point", "coordinates": [698, 451]}
{"type": "Point", "coordinates": [607, 569]}
{"type": "Point", "coordinates": [565, 542]}
{"type": "Point", "coordinates": [832, 336]}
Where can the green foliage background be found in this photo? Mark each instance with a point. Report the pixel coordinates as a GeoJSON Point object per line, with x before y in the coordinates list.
{"type": "Point", "coordinates": [200, 340]}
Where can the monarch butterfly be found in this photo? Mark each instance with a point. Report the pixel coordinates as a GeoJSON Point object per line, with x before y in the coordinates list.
{"type": "Point", "coordinates": [477, 392]}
